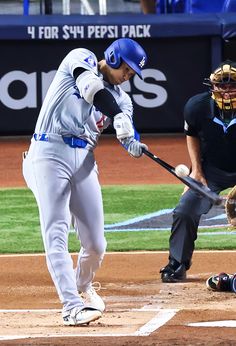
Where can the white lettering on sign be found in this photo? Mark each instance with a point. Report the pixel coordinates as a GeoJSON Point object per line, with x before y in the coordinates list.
{"type": "Point", "coordinates": [159, 94]}
{"type": "Point", "coordinates": [30, 98]}
{"type": "Point", "coordinates": [70, 31]}
{"type": "Point", "coordinates": [148, 94]}
{"type": "Point", "coordinates": [135, 30]}
{"type": "Point", "coordinates": [101, 31]}
{"type": "Point", "coordinates": [31, 31]}
{"type": "Point", "coordinates": [48, 32]}
{"type": "Point", "coordinates": [46, 80]}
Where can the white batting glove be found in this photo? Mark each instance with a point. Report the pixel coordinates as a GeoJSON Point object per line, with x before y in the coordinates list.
{"type": "Point", "coordinates": [123, 126]}
{"type": "Point", "coordinates": [135, 148]}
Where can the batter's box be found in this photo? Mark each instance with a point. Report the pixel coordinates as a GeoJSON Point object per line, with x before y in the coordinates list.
{"type": "Point", "coordinates": [22, 324]}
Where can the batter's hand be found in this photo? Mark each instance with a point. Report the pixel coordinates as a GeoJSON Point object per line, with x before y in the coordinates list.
{"type": "Point", "coordinates": [135, 148]}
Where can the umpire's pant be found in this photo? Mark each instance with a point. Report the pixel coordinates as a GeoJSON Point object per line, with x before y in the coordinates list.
{"type": "Point", "coordinates": [187, 214]}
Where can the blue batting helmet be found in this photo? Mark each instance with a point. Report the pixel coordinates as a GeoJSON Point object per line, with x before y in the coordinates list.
{"type": "Point", "coordinates": [127, 50]}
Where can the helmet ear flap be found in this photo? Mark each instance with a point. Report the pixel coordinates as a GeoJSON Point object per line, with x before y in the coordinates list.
{"type": "Point", "coordinates": [112, 57]}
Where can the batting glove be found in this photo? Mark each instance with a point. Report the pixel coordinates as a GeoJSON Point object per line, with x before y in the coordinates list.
{"type": "Point", "coordinates": [135, 148]}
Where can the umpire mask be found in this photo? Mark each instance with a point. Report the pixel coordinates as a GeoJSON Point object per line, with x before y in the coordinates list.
{"type": "Point", "coordinates": [222, 84]}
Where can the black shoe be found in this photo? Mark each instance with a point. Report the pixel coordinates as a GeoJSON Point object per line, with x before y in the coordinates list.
{"type": "Point", "coordinates": [174, 271]}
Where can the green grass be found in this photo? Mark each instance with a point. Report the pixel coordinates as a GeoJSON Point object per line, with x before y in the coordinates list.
{"type": "Point", "coordinates": [20, 231]}
{"type": "Point", "coordinates": [124, 202]}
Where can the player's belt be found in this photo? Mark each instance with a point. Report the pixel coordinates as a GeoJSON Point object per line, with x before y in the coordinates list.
{"type": "Point", "coordinates": [41, 137]}
{"type": "Point", "coordinates": [75, 142]}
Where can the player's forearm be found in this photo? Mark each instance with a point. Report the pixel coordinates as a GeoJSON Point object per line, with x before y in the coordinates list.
{"type": "Point", "coordinates": [194, 150]}
{"type": "Point", "coordinates": [105, 102]}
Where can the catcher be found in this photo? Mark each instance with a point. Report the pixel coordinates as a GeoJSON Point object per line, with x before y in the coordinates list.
{"type": "Point", "coordinates": [210, 128]}
{"type": "Point", "coordinates": [230, 207]}
{"type": "Point", "coordinates": [223, 281]}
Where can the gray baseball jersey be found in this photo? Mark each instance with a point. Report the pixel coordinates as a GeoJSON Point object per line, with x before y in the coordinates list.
{"type": "Point", "coordinates": [64, 179]}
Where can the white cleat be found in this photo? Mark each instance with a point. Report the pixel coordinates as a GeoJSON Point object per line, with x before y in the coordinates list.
{"type": "Point", "coordinates": [77, 317]}
{"type": "Point", "coordinates": [92, 300]}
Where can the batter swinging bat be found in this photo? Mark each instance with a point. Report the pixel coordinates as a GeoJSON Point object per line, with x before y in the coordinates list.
{"type": "Point", "coordinates": [190, 182]}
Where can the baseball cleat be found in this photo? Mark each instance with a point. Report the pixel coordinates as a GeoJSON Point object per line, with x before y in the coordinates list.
{"type": "Point", "coordinates": [174, 271]}
{"type": "Point", "coordinates": [77, 317]}
{"type": "Point", "coordinates": [92, 300]}
{"type": "Point", "coordinates": [221, 282]}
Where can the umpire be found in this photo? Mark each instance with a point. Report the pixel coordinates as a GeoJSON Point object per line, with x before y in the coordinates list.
{"type": "Point", "coordinates": [210, 128]}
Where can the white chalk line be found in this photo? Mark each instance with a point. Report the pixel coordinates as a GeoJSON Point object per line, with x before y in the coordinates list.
{"type": "Point", "coordinates": [118, 253]}
{"type": "Point", "coordinates": [29, 310]}
{"type": "Point", "coordinates": [162, 317]}
{"type": "Point", "coordinates": [225, 323]}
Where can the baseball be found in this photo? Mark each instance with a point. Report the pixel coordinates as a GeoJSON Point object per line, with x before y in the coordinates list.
{"type": "Point", "coordinates": [181, 170]}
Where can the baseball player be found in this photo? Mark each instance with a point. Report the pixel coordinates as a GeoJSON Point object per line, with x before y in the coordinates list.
{"type": "Point", "coordinates": [210, 128]}
{"type": "Point", "coordinates": [222, 282]}
{"type": "Point", "coordinates": [83, 98]}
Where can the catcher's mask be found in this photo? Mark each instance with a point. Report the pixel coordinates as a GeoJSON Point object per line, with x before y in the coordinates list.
{"type": "Point", "coordinates": [222, 83]}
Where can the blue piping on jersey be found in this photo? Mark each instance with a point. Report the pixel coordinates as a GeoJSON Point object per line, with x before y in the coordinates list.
{"type": "Point", "coordinates": [225, 127]}
{"type": "Point", "coordinates": [77, 95]}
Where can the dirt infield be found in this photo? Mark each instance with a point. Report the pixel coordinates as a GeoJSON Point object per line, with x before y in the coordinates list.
{"type": "Point", "coordinates": [140, 310]}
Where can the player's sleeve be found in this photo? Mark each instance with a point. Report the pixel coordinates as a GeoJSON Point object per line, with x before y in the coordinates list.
{"type": "Point", "coordinates": [83, 59]}
{"type": "Point", "coordinates": [114, 102]}
{"type": "Point", "coordinates": [190, 118]}
{"type": "Point", "coordinates": [106, 103]}
{"type": "Point", "coordinates": [82, 64]}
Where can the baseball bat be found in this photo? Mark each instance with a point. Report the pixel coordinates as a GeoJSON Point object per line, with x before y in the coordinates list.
{"type": "Point", "coordinates": [193, 184]}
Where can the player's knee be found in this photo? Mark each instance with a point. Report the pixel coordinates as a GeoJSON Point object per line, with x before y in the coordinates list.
{"type": "Point", "coordinates": [184, 219]}
{"type": "Point", "coordinates": [185, 210]}
{"type": "Point", "coordinates": [181, 214]}
{"type": "Point", "coordinates": [98, 247]}
{"type": "Point", "coordinates": [54, 243]}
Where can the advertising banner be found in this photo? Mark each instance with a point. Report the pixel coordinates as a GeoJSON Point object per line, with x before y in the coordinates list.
{"type": "Point", "coordinates": [175, 71]}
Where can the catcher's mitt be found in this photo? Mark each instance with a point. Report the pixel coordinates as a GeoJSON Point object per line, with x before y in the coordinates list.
{"type": "Point", "coordinates": [230, 206]}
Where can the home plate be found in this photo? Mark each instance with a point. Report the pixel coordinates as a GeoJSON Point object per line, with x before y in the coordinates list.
{"type": "Point", "coordinates": [226, 323]}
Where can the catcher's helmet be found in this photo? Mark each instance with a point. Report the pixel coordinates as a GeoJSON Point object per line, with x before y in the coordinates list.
{"type": "Point", "coordinates": [222, 84]}
{"type": "Point", "coordinates": [127, 50]}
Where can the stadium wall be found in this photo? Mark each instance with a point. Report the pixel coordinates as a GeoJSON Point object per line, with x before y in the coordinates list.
{"type": "Point", "coordinates": [182, 51]}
